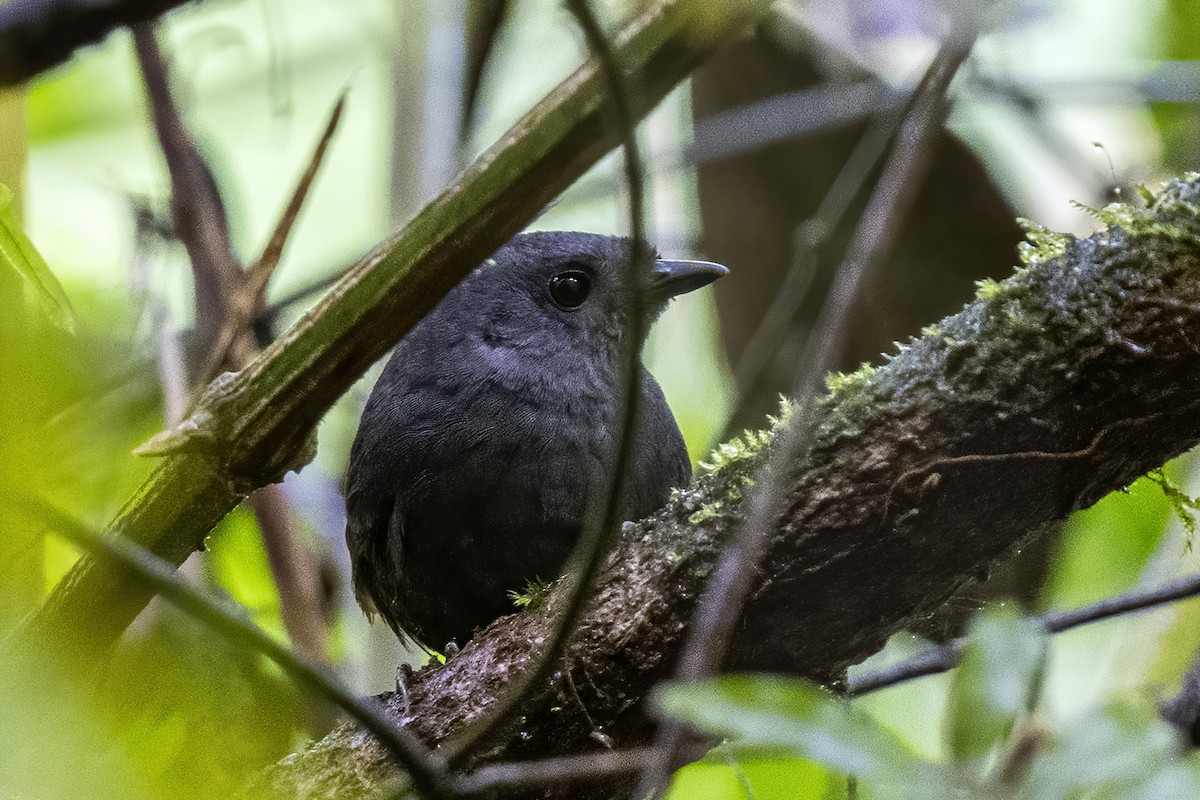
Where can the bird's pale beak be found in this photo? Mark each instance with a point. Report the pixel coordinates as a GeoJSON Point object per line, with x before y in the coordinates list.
{"type": "Point", "coordinates": [672, 278]}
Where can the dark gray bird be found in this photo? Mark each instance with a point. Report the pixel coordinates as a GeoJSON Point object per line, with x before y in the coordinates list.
{"type": "Point", "coordinates": [495, 415]}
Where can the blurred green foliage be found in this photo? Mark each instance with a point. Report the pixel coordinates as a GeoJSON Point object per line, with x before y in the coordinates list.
{"type": "Point", "coordinates": [768, 714]}
{"type": "Point", "coordinates": [156, 720]}
{"type": "Point", "coordinates": [995, 684]}
{"type": "Point", "coordinates": [1178, 39]}
{"type": "Point", "coordinates": [36, 379]}
{"type": "Point", "coordinates": [236, 561]}
{"type": "Point", "coordinates": [1001, 745]}
{"type": "Point", "coordinates": [1104, 549]}
{"type": "Point", "coordinates": [176, 713]}
{"type": "Point", "coordinates": [725, 775]}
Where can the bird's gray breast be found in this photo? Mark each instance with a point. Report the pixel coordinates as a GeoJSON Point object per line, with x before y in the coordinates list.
{"type": "Point", "coordinates": [490, 460]}
{"type": "Point", "coordinates": [495, 481]}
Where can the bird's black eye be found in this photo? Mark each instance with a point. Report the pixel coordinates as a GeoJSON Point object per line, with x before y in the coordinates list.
{"type": "Point", "coordinates": [570, 288]}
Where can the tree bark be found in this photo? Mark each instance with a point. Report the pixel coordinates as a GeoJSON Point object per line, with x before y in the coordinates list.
{"type": "Point", "coordinates": [1066, 381]}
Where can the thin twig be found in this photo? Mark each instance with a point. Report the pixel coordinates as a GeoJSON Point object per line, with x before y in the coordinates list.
{"type": "Point", "coordinates": [811, 235]}
{"type": "Point", "coordinates": [426, 768]}
{"type": "Point", "coordinates": [294, 568]}
{"type": "Point", "coordinates": [831, 106]}
{"type": "Point", "coordinates": [1173, 592]}
{"type": "Point", "coordinates": [720, 607]}
{"type": "Point", "coordinates": [248, 324]}
{"type": "Point", "coordinates": [258, 275]}
{"type": "Point", "coordinates": [265, 319]}
{"type": "Point", "coordinates": [945, 657]}
{"type": "Point", "coordinates": [598, 535]}
{"type": "Point", "coordinates": [828, 106]}
{"type": "Point", "coordinates": [235, 344]}
{"type": "Point", "coordinates": [721, 135]}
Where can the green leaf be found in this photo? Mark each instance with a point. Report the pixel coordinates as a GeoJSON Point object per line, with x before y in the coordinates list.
{"type": "Point", "coordinates": [995, 681]}
{"type": "Point", "coordinates": [1103, 550]}
{"type": "Point", "coordinates": [767, 778]}
{"type": "Point", "coordinates": [26, 275]}
{"type": "Point", "coordinates": [237, 561]}
{"type": "Point", "coordinates": [792, 715]}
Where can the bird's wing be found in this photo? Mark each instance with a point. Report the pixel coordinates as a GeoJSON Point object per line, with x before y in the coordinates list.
{"type": "Point", "coordinates": [369, 527]}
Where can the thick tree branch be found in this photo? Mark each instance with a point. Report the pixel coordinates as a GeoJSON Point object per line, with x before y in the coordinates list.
{"type": "Point", "coordinates": [36, 35]}
{"type": "Point", "coordinates": [1064, 382]}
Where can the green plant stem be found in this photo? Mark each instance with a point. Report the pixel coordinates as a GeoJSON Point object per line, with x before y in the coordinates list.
{"type": "Point", "coordinates": [426, 770]}
{"type": "Point", "coordinates": [599, 533]}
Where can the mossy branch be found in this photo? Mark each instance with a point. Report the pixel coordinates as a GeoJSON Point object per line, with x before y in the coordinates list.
{"type": "Point", "coordinates": [1064, 382]}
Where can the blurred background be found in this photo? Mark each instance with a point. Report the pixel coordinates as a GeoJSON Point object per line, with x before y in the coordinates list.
{"type": "Point", "coordinates": [761, 162]}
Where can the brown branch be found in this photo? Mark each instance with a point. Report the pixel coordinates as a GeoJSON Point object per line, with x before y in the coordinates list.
{"type": "Point", "coordinates": [563, 771]}
{"type": "Point", "coordinates": [196, 206]}
{"type": "Point", "coordinates": [1099, 334]}
{"type": "Point", "coordinates": [296, 573]}
{"type": "Point", "coordinates": [259, 275]}
{"type": "Point", "coordinates": [944, 658]}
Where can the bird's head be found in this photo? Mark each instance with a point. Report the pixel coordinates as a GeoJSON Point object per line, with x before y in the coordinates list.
{"type": "Point", "coordinates": [555, 292]}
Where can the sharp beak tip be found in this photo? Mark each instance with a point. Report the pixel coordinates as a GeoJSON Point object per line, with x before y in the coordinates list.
{"type": "Point", "coordinates": [680, 277]}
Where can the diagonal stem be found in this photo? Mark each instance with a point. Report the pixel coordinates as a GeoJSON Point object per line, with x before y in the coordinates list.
{"type": "Point", "coordinates": [721, 605]}
{"type": "Point", "coordinates": [599, 533]}
{"type": "Point", "coordinates": [427, 771]}
{"type": "Point", "coordinates": [944, 658]}
{"type": "Point", "coordinates": [196, 207]}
